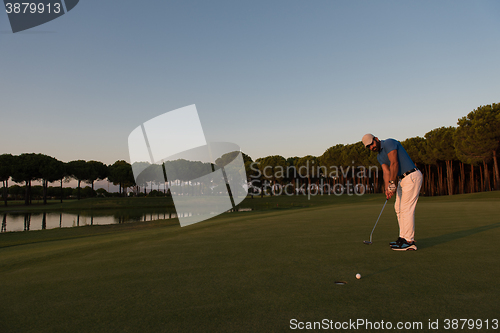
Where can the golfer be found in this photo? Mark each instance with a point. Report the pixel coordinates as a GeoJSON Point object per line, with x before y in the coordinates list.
{"type": "Point", "coordinates": [396, 163]}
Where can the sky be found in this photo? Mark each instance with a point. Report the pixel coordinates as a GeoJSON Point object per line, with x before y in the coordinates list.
{"type": "Point", "coordinates": [289, 78]}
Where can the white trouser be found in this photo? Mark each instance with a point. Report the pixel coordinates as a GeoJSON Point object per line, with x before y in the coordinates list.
{"type": "Point", "coordinates": [406, 201]}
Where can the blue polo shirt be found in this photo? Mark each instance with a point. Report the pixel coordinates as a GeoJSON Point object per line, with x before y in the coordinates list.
{"type": "Point", "coordinates": [404, 160]}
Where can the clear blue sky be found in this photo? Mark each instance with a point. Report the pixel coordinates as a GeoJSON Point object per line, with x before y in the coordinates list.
{"type": "Point", "coordinates": [283, 77]}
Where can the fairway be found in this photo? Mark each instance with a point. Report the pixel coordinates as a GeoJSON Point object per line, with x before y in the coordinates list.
{"type": "Point", "coordinates": [257, 271]}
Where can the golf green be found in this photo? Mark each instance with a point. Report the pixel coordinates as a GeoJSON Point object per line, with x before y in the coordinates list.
{"type": "Point", "coordinates": [260, 271]}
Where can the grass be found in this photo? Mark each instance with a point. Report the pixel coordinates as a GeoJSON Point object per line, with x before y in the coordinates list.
{"type": "Point", "coordinates": [255, 271]}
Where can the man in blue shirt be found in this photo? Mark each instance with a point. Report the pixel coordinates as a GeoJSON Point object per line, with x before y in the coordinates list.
{"type": "Point", "coordinates": [396, 163]}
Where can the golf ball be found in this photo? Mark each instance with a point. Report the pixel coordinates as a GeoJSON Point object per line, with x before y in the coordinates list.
{"type": "Point", "coordinates": [358, 276]}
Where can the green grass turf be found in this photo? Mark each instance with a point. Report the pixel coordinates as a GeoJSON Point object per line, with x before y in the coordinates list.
{"type": "Point", "coordinates": [255, 271]}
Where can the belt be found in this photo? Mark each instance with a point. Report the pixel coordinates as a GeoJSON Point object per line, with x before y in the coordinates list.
{"type": "Point", "coordinates": [408, 172]}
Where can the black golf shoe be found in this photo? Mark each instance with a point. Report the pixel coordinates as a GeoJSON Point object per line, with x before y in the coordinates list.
{"type": "Point", "coordinates": [397, 242]}
{"type": "Point", "coordinates": [405, 246]}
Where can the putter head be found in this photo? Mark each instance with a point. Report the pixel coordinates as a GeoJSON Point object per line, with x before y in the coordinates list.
{"type": "Point", "coordinates": [367, 242]}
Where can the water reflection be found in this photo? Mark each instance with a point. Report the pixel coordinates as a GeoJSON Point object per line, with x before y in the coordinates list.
{"type": "Point", "coordinates": [25, 221]}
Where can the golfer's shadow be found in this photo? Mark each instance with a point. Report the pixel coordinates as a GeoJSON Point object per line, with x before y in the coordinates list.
{"type": "Point", "coordinates": [432, 241]}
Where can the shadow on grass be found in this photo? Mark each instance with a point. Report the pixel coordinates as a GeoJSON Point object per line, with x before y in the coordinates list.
{"type": "Point", "coordinates": [432, 241]}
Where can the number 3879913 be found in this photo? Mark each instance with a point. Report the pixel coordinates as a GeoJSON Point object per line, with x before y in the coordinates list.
{"type": "Point", "coordinates": [32, 8]}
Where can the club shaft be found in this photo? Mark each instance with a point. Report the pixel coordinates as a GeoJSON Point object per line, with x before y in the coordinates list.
{"type": "Point", "coordinates": [378, 219]}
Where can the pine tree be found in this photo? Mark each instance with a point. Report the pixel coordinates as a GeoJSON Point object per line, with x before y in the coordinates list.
{"type": "Point", "coordinates": [477, 139]}
{"type": "Point", "coordinates": [441, 144]}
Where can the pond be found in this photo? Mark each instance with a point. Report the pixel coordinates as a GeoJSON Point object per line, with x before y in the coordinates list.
{"type": "Point", "coordinates": [25, 221]}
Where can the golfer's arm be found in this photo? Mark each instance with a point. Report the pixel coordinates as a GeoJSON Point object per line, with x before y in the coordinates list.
{"type": "Point", "coordinates": [393, 157]}
{"type": "Point", "coordinates": [387, 175]}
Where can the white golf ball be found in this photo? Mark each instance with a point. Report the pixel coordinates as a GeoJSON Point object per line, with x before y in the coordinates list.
{"type": "Point", "coordinates": [358, 276]}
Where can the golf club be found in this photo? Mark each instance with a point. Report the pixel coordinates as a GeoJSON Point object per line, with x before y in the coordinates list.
{"type": "Point", "coordinates": [370, 241]}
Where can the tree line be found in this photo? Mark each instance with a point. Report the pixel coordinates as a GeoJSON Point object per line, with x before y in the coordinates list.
{"type": "Point", "coordinates": [454, 160]}
{"type": "Point", "coordinates": [29, 167]}
{"type": "Point", "coordinates": [460, 159]}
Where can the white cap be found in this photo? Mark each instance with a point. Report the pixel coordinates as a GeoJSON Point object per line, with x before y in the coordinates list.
{"type": "Point", "coordinates": [367, 139]}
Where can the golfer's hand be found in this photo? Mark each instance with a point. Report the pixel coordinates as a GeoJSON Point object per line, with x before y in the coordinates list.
{"type": "Point", "coordinates": [389, 194]}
